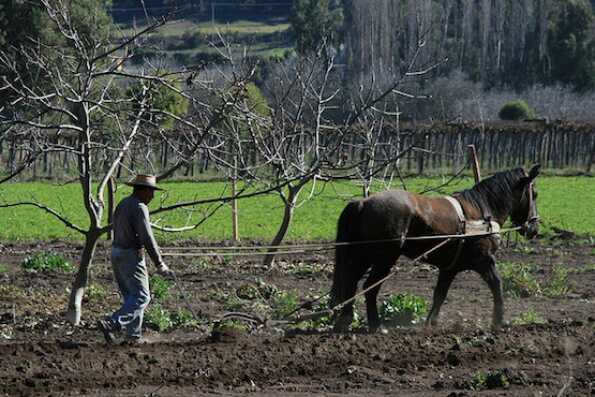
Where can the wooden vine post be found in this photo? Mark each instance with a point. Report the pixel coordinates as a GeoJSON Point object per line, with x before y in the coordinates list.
{"type": "Point", "coordinates": [474, 163]}
{"type": "Point", "coordinates": [234, 202]}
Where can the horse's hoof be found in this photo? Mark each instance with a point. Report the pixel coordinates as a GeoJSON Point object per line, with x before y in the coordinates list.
{"type": "Point", "coordinates": [430, 324]}
{"type": "Point", "coordinates": [342, 325]}
{"type": "Point", "coordinates": [340, 330]}
{"type": "Point", "coordinates": [378, 330]}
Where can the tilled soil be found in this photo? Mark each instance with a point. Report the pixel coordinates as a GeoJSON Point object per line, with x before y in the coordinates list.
{"type": "Point", "coordinates": [41, 355]}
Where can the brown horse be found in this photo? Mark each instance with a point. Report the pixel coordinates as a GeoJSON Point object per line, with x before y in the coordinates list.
{"type": "Point", "coordinates": [379, 225]}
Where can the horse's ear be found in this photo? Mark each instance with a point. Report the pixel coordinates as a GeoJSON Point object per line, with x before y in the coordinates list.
{"type": "Point", "coordinates": [534, 171]}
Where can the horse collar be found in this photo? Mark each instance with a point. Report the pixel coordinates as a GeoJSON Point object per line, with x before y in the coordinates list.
{"type": "Point", "coordinates": [459, 210]}
{"type": "Point", "coordinates": [471, 227]}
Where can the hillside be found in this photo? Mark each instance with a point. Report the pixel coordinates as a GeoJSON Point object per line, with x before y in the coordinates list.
{"type": "Point", "coordinates": [196, 30]}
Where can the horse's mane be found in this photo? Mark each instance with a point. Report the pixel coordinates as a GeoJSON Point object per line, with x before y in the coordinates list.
{"type": "Point", "coordinates": [494, 194]}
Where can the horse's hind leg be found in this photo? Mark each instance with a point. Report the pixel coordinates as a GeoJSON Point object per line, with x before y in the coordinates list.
{"type": "Point", "coordinates": [445, 278]}
{"type": "Point", "coordinates": [377, 273]}
{"type": "Point", "coordinates": [487, 270]}
{"type": "Point", "coordinates": [345, 316]}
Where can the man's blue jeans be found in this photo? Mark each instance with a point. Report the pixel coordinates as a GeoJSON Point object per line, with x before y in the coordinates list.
{"type": "Point", "coordinates": [132, 277]}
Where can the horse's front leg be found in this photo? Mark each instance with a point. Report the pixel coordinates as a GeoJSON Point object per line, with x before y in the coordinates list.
{"type": "Point", "coordinates": [487, 270]}
{"type": "Point", "coordinates": [377, 273]}
{"type": "Point", "coordinates": [445, 278]}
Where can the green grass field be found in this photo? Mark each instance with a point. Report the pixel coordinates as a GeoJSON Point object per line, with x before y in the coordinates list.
{"type": "Point", "coordinates": [565, 202]}
{"type": "Point", "coordinates": [179, 27]}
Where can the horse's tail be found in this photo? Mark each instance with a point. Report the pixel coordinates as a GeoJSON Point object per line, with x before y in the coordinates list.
{"type": "Point", "coordinates": [347, 231]}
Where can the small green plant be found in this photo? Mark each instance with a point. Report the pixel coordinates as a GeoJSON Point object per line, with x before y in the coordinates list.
{"type": "Point", "coordinates": [96, 292]}
{"type": "Point", "coordinates": [3, 268]}
{"type": "Point", "coordinates": [232, 326]}
{"type": "Point", "coordinates": [217, 295]}
{"type": "Point", "coordinates": [267, 291]}
{"type": "Point", "coordinates": [403, 309]}
{"type": "Point", "coordinates": [201, 265]}
{"type": "Point", "coordinates": [516, 110]}
{"type": "Point", "coordinates": [557, 285]}
{"type": "Point", "coordinates": [528, 317]}
{"type": "Point", "coordinates": [496, 379]}
{"type": "Point", "coordinates": [304, 270]}
{"type": "Point", "coordinates": [478, 381]}
{"type": "Point", "coordinates": [233, 303]}
{"type": "Point", "coordinates": [517, 280]}
{"type": "Point", "coordinates": [160, 287]}
{"type": "Point", "coordinates": [46, 262]}
{"type": "Point", "coordinates": [248, 291]}
{"type": "Point", "coordinates": [183, 318]}
{"type": "Point", "coordinates": [320, 322]}
{"type": "Point", "coordinates": [158, 318]}
{"type": "Point", "coordinates": [283, 303]}
{"type": "Point", "coordinates": [525, 249]}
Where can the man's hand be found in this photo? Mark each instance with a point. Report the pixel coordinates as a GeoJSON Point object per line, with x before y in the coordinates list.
{"type": "Point", "coordinates": [164, 270]}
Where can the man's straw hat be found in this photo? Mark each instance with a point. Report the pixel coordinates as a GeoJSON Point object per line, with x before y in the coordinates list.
{"type": "Point", "coordinates": [145, 181]}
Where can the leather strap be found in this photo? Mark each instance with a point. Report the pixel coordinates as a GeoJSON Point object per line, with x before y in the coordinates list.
{"type": "Point", "coordinates": [461, 230]}
{"type": "Point", "coordinates": [459, 210]}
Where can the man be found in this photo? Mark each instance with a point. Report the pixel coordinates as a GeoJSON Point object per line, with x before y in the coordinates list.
{"type": "Point", "coordinates": [132, 232]}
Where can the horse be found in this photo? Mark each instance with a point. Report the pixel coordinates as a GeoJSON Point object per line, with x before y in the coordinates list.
{"type": "Point", "coordinates": [373, 232]}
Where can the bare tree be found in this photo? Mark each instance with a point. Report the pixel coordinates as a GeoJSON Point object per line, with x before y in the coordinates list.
{"type": "Point", "coordinates": [89, 101]}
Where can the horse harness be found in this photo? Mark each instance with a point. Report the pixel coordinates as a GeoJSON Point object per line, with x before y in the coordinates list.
{"type": "Point", "coordinates": [469, 227]}
{"type": "Point", "coordinates": [487, 225]}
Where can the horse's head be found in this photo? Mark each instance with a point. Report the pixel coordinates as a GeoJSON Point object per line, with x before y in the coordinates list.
{"type": "Point", "coordinates": [524, 211]}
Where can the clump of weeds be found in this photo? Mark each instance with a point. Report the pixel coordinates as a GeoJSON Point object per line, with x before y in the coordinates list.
{"type": "Point", "coordinates": [96, 292]}
{"type": "Point", "coordinates": [47, 262]}
{"type": "Point", "coordinates": [162, 319]}
{"type": "Point", "coordinates": [528, 317]}
{"type": "Point", "coordinates": [160, 287]}
{"type": "Point", "coordinates": [557, 285]}
{"type": "Point", "coordinates": [403, 310]}
{"type": "Point", "coordinates": [158, 318]}
{"type": "Point", "coordinates": [518, 280]}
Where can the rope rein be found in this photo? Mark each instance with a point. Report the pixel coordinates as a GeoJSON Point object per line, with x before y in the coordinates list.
{"type": "Point", "coordinates": [532, 217]}
{"type": "Point", "coordinates": [266, 322]}
{"type": "Point", "coordinates": [300, 248]}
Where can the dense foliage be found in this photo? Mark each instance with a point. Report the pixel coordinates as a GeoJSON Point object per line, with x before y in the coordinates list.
{"type": "Point", "coordinates": [499, 43]}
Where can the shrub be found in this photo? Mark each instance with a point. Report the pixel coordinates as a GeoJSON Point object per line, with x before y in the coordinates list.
{"type": "Point", "coordinates": [44, 261]}
{"type": "Point", "coordinates": [516, 110]}
{"type": "Point", "coordinates": [160, 287]}
{"type": "Point", "coordinates": [518, 281]}
{"type": "Point", "coordinates": [403, 309]}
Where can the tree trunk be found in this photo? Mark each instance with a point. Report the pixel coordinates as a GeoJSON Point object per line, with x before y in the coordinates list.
{"type": "Point", "coordinates": [73, 314]}
{"type": "Point", "coordinates": [591, 160]}
{"type": "Point", "coordinates": [290, 202]}
{"type": "Point", "coordinates": [111, 199]}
